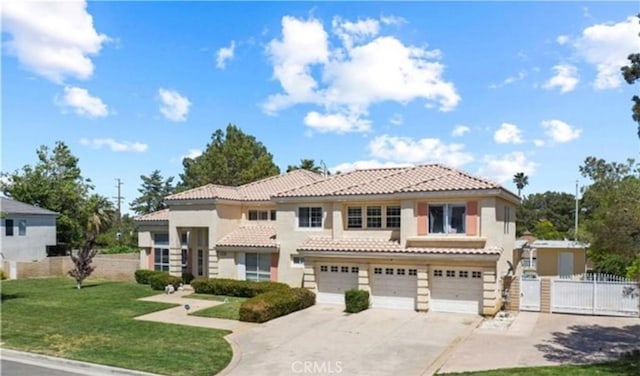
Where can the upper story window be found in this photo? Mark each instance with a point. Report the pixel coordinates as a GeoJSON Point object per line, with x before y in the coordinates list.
{"type": "Point", "coordinates": [310, 217]}
{"type": "Point", "coordinates": [447, 218]}
{"type": "Point", "coordinates": [507, 219]}
{"type": "Point", "coordinates": [374, 216]}
{"type": "Point", "coordinates": [354, 217]}
{"type": "Point", "coordinates": [22, 227]}
{"type": "Point", "coordinates": [8, 227]}
{"type": "Point", "coordinates": [258, 215]}
{"type": "Point", "coordinates": [161, 239]}
{"type": "Point", "coordinates": [184, 239]}
{"type": "Point", "coordinates": [393, 216]}
{"type": "Point", "coordinates": [272, 215]}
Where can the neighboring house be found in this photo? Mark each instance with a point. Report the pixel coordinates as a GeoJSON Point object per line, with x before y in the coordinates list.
{"type": "Point", "coordinates": [27, 231]}
{"type": "Point", "coordinates": [548, 258]}
{"type": "Point", "coordinates": [425, 238]}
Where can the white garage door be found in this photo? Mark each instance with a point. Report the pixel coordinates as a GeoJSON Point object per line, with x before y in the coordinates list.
{"type": "Point", "coordinates": [393, 287]}
{"type": "Point", "coordinates": [334, 280]}
{"type": "Point", "coordinates": [456, 290]}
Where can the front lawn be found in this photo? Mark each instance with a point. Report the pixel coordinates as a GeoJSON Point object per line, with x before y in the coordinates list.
{"type": "Point", "coordinates": [95, 324]}
{"type": "Point", "coordinates": [627, 366]}
{"type": "Point", "coordinates": [229, 310]}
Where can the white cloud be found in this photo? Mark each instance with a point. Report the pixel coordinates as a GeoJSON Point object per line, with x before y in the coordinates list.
{"type": "Point", "coordinates": [367, 68]}
{"type": "Point", "coordinates": [509, 80]}
{"type": "Point", "coordinates": [224, 54]}
{"type": "Point", "coordinates": [52, 39]}
{"type": "Point", "coordinates": [508, 134]}
{"type": "Point", "coordinates": [502, 168]}
{"type": "Point", "coordinates": [606, 47]}
{"type": "Point", "coordinates": [460, 130]}
{"type": "Point", "coordinates": [566, 78]}
{"type": "Point", "coordinates": [559, 131]}
{"type": "Point", "coordinates": [338, 123]}
{"type": "Point", "coordinates": [538, 142]}
{"type": "Point", "coordinates": [396, 119]}
{"type": "Point", "coordinates": [82, 103]}
{"type": "Point", "coordinates": [562, 39]}
{"type": "Point", "coordinates": [425, 150]}
{"type": "Point", "coordinates": [366, 164]}
{"type": "Point", "coordinates": [174, 107]}
{"type": "Point", "coordinates": [98, 143]}
{"type": "Point", "coordinates": [193, 154]}
{"type": "Point", "coordinates": [393, 20]}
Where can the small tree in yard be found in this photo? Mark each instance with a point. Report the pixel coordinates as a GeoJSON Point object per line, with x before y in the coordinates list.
{"type": "Point", "coordinates": [99, 213]}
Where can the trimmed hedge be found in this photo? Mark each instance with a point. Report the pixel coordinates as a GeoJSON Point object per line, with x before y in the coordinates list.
{"type": "Point", "coordinates": [233, 287]}
{"type": "Point", "coordinates": [270, 305]}
{"type": "Point", "coordinates": [143, 275]}
{"type": "Point", "coordinates": [159, 281]}
{"type": "Point", "coordinates": [356, 300]}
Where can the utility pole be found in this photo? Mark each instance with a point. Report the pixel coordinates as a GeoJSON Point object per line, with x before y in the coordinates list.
{"type": "Point", "coordinates": [119, 199]}
{"type": "Point", "coordinates": [575, 235]}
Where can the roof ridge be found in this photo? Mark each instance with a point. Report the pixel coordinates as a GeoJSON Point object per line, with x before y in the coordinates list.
{"type": "Point", "coordinates": [447, 173]}
{"type": "Point", "coordinates": [400, 171]}
{"type": "Point", "coordinates": [472, 176]}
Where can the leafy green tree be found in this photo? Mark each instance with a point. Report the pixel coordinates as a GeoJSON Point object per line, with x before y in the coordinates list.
{"type": "Point", "coordinates": [305, 164]}
{"type": "Point", "coordinates": [119, 240]}
{"type": "Point", "coordinates": [631, 74]}
{"type": "Point", "coordinates": [545, 230]}
{"type": "Point", "coordinates": [98, 214]}
{"type": "Point", "coordinates": [152, 193]}
{"type": "Point", "coordinates": [231, 158]}
{"type": "Point", "coordinates": [54, 183]}
{"type": "Point", "coordinates": [556, 207]}
{"type": "Point", "coordinates": [612, 204]}
{"type": "Point", "coordinates": [520, 180]}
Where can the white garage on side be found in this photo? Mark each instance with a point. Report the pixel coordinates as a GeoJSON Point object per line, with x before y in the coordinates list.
{"type": "Point", "coordinates": [334, 280]}
{"type": "Point", "coordinates": [393, 287]}
{"type": "Point", "coordinates": [456, 289]}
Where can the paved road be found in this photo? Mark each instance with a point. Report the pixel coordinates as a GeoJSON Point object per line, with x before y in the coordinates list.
{"type": "Point", "coordinates": [11, 368]}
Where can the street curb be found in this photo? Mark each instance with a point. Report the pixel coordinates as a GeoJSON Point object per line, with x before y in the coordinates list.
{"type": "Point", "coordinates": [446, 353]}
{"type": "Point", "coordinates": [235, 357]}
{"type": "Point", "coordinates": [68, 365]}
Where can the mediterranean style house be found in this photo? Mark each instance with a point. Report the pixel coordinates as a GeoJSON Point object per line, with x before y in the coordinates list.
{"type": "Point", "coordinates": [27, 231]}
{"type": "Point", "coordinates": [422, 238]}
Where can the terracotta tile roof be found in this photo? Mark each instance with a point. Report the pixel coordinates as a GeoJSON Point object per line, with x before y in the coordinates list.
{"type": "Point", "coordinates": [424, 178]}
{"type": "Point", "coordinates": [260, 236]}
{"type": "Point", "coordinates": [365, 245]}
{"type": "Point", "coordinates": [261, 190]}
{"type": "Point", "coordinates": [160, 215]}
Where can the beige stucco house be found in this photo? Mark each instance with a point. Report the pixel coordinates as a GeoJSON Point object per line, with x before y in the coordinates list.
{"type": "Point", "coordinates": [422, 238]}
{"type": "Point", "coordinates": [551, 258]}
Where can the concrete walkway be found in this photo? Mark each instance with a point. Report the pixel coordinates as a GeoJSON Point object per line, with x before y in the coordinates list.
{"type": "Point", "coordinates": [540, 339]}
{"type": "Point", "coordinates": [180, 316]}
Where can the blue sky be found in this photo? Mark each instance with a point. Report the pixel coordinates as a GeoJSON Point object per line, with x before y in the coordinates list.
{"type": "Point", "coordinates": [491, 88]}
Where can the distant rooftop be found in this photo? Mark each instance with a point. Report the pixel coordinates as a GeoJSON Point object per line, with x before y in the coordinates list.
{"type": "Point", "coordinates": [10, 206]}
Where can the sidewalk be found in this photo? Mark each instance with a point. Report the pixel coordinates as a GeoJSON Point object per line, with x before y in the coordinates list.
{"type": "Point", "coordinates": [180, 316]}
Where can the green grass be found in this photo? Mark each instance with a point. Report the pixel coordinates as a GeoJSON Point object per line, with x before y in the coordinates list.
{"type": "Point", "coordinates": [230, 310]}
{"type": "Point", "coordinates": [95, 324]}
{"type": "Point", "coordinates": [627, 366]}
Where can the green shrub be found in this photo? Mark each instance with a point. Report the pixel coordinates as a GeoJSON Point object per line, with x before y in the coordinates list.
{"type": "Point", "coordinates": [187, 278]}
{"type": "Point", "coordinates": [270, 305]}
{"type": "Point", "coordinates": [159, 281]}
{"type": "Point", "coordinates": [2, 275]}
{"type": "Point", "coordinates": [233, 287]}
{"type": "Point", "coordinates": [356, 300]}
{"type": "Point", "coordinates": [143, 275]}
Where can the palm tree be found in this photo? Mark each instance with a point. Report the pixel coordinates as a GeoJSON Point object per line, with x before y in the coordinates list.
{"type": "Point", "coordinates": [306, 164]}
{"type": "Point", "coordinates": [521, 180]}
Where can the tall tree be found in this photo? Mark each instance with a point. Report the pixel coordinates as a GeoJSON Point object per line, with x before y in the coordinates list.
{"type": "Point", "coordinates": [152, 193]}
{"type": "Point", "coordinates": [306, 164]}
{"type": "Point", "coordinates": [231, 158]}
{"type": "Point", "coordinates": [521, 180]}
{"type": "Point", "coordinates": [631, 74]}
{"type": "Point", "coordinates": [54, 183]}
{"type": "Point", "coordinates": [612, 204]}
{"type": "Point", "coordinates": [98, 214]}
{"type": "Point", "coordinates": [555, 207]}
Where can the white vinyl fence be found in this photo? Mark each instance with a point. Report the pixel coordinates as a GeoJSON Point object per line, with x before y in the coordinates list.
{"type": "Point", "coordinates": [595, 294]}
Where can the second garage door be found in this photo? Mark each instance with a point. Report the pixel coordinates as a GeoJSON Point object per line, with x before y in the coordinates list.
{"type": "Point", "coordinates": [334, 280]}
{"type": "Point", "coordinates": [456, 290]}
{"type": "Point", "coordinates": [393, 287]}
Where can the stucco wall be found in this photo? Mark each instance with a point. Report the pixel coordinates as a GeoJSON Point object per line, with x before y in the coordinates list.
{"type": "Point", "coordinates": [40, 233]}
{"type": "Point", "coordinates": [119, 267]}
{"type": "Point", "coordinates": [547, 260]}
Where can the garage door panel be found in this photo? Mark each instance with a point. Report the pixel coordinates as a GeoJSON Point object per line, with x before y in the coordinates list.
{"type": "Point", "coordinates": [333, 281]}
{"type": "Point", "coordinates": [393, 287]}
{"type": "Point", "coordinates": [455, 289]}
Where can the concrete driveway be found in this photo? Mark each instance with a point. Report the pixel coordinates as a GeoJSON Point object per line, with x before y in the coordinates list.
{"type": "Point", "coordinates": [538, 339]}
{"type": "Point", "coordinates": [324, 340]}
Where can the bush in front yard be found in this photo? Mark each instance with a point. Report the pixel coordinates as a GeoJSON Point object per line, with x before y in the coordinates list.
{"type": "Point", "coordinates": [233, 287]}
{"type": "Point", "coordinates": [270, 305]}
{"type": "Point", "coordinates": [159, 281]}
{"type": "Point", "coordinates": [356, 300]}
{"type": "Point", "coordinates": [187, 278]}
{"type": "Point", "coordinates": [143, 275]}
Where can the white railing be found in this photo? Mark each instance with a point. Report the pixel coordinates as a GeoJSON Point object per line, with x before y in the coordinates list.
{"type": "Point", "coordinates": [529, 264]}
{"type": "Point", "coordinates": [595, 294]}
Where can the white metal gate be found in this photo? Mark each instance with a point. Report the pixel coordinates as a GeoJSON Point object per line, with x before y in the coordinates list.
{"type": "Point", "coordinates": [595, 295]}
{"type": "Point", "coordinates": [529, 294]}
